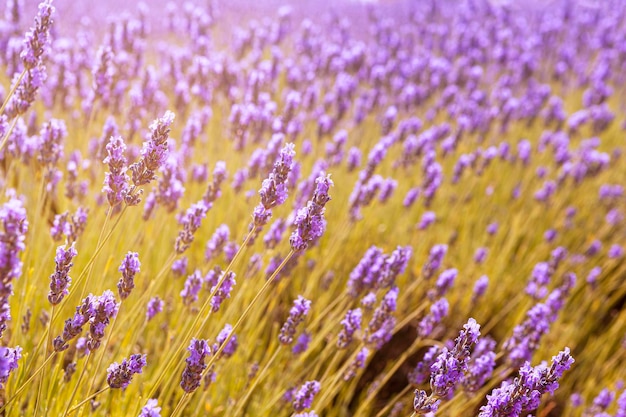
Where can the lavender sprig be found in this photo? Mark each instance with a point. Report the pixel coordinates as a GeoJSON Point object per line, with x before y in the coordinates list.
{"type": "Point", "coordinates": [310, 223]}
{"type": "Point", "coordinates": [60, 279]}
{"type": "Point", "coordinates": [192, 374]}
{"type": "Point", "coordinates": [300, 309]}
{"type": "Point", "coordinates": [120, 375]}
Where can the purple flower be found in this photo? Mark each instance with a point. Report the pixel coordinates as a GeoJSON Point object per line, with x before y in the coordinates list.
{"type": "Point", "coordinates": [273, 191]}
{"type": "Point", "coordinates": [438, 311]}
{"type": "Point", "coordinates": [223, 292]}
{"type": "Point", "coordinates": [435, 257]}
{"type": "Point", "coordinates": [192, 374]}
{"type": "Point", "coordinates": [103, 309]}
{"type": "Point", "coordinates": [179, 266]}
{"type": "Point", "coordinates": [615, 251]}
{"type": "Point", "coordinates": [60, 280]}
{"type": "Point", "coordinates": [480, 287]}
{"type": "Point", "coordinates": [309, 222]}
{"type": "Point", "coordinates": [37, 39]}
{"type": "Point", "coordinates": [193, 285]}
{"type": "Point", "coordinates": [155, 306]}
{"type": "Point", "coordinates": [129, 268]}
{"type": "Point", "coordinates": [357, 363]}
{"type": "Point", "coordinates": [380, 327]}
{"type": "Point", "coordinates": [116, 180]}
{"type": "Point", "coordinates": [351, 323]}
{"type": "Point", "coordinates": [151, 409]}
{"type": "Point", "coordinates": [427, 219]}
{"type": "Point", "coordinates": [231, 345]}
{"type": "Point", "coordinates": [120, 375]}
{"type": "Point", "coordinates": [302, 344]}
{"type": "Point", "coordinates": [191, 222]}
{"type": "Point", "coordinates": [303, 398]}
{"type": "Point", "coordinates": [275, 233]}
{"type": "Point", "coordinates": [421, 372]}
{"type": "Point", "coordinates": [8, 362]}
{"type": "Point", "coordinates": [153, 155]}
{"type": "Point", "coordinates": [217, 242]}
{"type": "Point", "coordinates": [300, 309]}
{"type": "Point", "coordinates": [480, 255]}
{"type": "Point", "coordinates": [525, 392]}
{"type": "Point", "coordinates": [74, 326]}
{"type": "Point", "coordinates": [451, 365]}
{"type": "Point", "coordinates": [492, 228]}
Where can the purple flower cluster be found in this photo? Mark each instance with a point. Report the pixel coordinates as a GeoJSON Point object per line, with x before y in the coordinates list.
{"type": "Point", "coordinates": [523, 395]}
{"type": "Point", "coordinates": [60, 279]}
{"type": "Point", "coordinates": [8, 362]}
{"type": "Point", "coordinates": [116, 180]}
{"type": "Point", "coordinates": [151, 409]}
{"type": "Point", "coordinates": [120, 375]}
{"type": "Point", "coordinates": [13, 229]}
{"type": "Point", "coordinates": [192, 374]}
{"type": "Point", "coordinates": [310, 223]}
{"type": "Point", "coordinates": [129, 268]}
{"type": "Point", "coordinates": [304, 397]}
{"type": "Point", "coordinates": [300, 309]}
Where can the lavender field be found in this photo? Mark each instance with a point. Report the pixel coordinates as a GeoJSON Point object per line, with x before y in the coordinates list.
{"type": "Point", "coordinates": [238, 208]}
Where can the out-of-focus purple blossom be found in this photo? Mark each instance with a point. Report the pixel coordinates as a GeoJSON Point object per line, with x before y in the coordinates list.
{"type": "Point", "coordinates": [120, 375]}
{"type": "Point", "coordinates": [357, 363]}
{"type": "Point", "coordinates": [421, 372]}
{"type": "Point", "coordinates": [151, 409]}
{"type": "Point", "coordinates": [435, 258]}
{"type": "Point", "coordinates": [223, 292]}
{"type": "Point", "coordinates": [380, 327]}
{"type": "Point", "coordinates": [615, 251]}
{"type": "Point", "coordinates": [614, 217]}
{"type": "Point", "coordinates": [129, 268]}
{"type": "Point", "coordinates": [480, 287]}
{"type": "Point", "coordinates": [411, 196]}
{"type": "Point", "coordinates": [155, 306]}
{"type": "Point", "coordinates": [14, 227]}
{"type": "Point", "coordinates": [593, 248]}
{"type": "Point", "coordinates": [445, 281]}
{"type": "Point", "coordinates": [298, 312]}
{"type": "Point", "coordinates": [60, 279]}
{"type": "Point", "coordinates": [354, 158]}
{"type": "Point", "coordinates": [8, 362]}
{"type": "Point", "coordinates": [593, 275]}
{"type": "Point", "coordinates": [304, 397]}
{"type": "Point", "coordinates": [351, 323]}
{"type": "Point", "coordinates": [231, 345]}
{"type": "Point", "coordinates": [480, 255]}
{"type": "Point", "coordinates": [550, 235]}
{"type": "Point", "coordinates": [179, 266]}
{"type": "Point", "coordinates": [192, 374]}
{"type": "Point", "coordinates": [438, 310]}
{"type": "Point", "coordinates": [302, 344]}
{"type": "Point", "coordinates": [217, 242]}
{"type": "Point", "coordinates": [492, 228]}
{"type": "Point", "coordinates": [427, 219]}
{"type": "Point", "coordinates": [275, 233]}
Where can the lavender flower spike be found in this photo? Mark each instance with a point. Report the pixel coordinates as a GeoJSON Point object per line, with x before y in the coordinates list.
{"type": "Point", "coordinates": [60, 280]}
{"type": "Point", "coordinates": [120, 375]}
{"type": "Point", "coordinates": [305, 395]}
{"type": "Point", "coordinates": [74, 326]}
{"type": "Point", "coordinates": [310, 223]}
{"type": "Point", "coordinates": [103, 310]}
{"type": "Point", "coordinates": [300, 309]}
{"type": "Point", "coordinates": [198, 351]}
{"type": "Point", "coordinates": [129, 268]}
{"type": "Point", "coordinates": [273, 191]}
{"type": "Point", "coordinates": [8, 362]}
{"type": "Point", "coordinates": [13, 228]}
{"type": "Point", "coordinates": [37, 39]}
{"type": "Point", "coordinates": [116, 180]}
{"type": "Point", "coordinates": [153, 155]}
{"type": "Point", "coordinates": [151, 409]}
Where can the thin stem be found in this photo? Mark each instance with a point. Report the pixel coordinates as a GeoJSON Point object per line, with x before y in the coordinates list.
{"type": "Point", "coordinates": [258, 379]}
{"type": "Point", "coordinates": [192, 328]}
{"type": "Point", "coordinates": [393, 401]}
{"type": "Point", "coordinates": [80, 378]}
{"type": "Point", "coordinates": [256, 298]}
{"type": "Point", "coordinates": [13, 88]}
{"type": "Point", "coordinates": [5, 139]}
{"type": "Point", "coordinates": [21, 388]}
{"type": "Point", "coordinates": [92, 396]}
{"type": "Point", "coordinates": [181, 405]}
